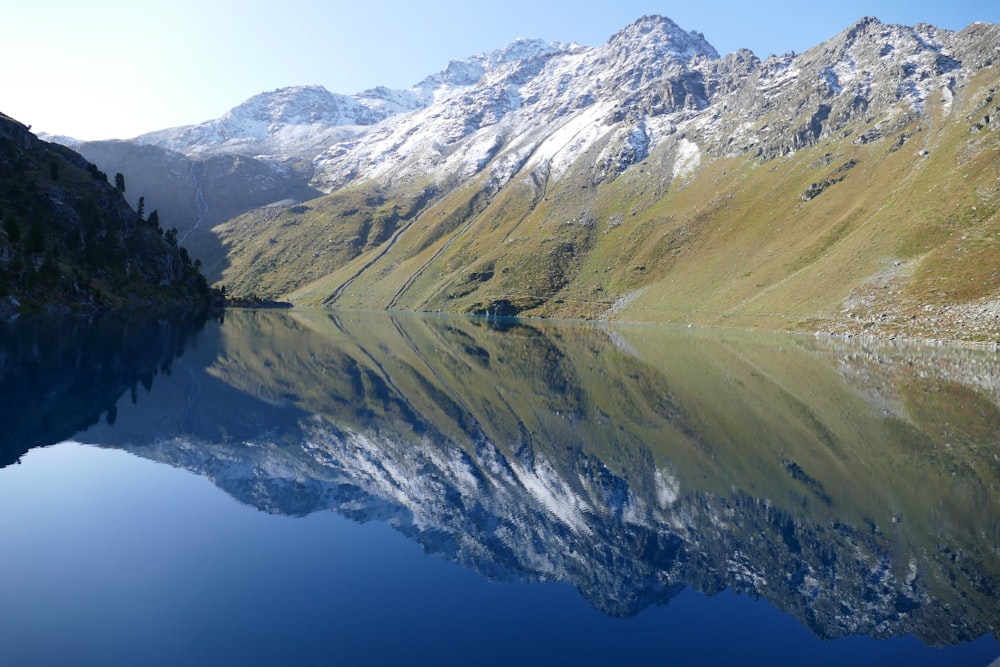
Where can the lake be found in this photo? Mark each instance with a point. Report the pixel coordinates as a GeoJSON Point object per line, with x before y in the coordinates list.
{"type": "Point", "coordinates": [337, 487]}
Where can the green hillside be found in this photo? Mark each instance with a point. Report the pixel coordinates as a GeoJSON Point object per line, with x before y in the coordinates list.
{"type": "Point", "coordinates": [883, 228]}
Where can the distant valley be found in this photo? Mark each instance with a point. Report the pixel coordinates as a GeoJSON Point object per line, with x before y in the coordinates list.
{"type": "Point", "coordinates": [850, 189]}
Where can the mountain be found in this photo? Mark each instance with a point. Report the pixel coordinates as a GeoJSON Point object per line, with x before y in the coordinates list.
{"type": "Point", "coordinates": [69, 241]}
{"type": "Point", "coordinates": [260, 153]}
{"type": "Point", "coordinates": [549, 107]}
{"type": "Point", "coordinates": [295, 124]}
{"type": "Point", "coordinates": [850, 188]}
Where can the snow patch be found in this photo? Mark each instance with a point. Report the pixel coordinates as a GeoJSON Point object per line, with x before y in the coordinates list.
{"type": "Point", "coordinates": [688, 158]}
{"type": "Point", "coordinates": [829, 74]}
{"type": "Point", "coordinates": [570, 141]}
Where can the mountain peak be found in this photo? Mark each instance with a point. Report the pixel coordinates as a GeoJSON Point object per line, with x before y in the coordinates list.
{"type": "Point", "coordinates": [864, 23]}
{"type": "Point", "coordinates": [666, 37]}
{"type": "Point", "coordinates": [286, 104]}
{"type": "Point", "coordinates": [521, 49]}
{"type": "Point", "coordinates": [469, 71]}
{"type": "Point", "coordinates": [859, 29]}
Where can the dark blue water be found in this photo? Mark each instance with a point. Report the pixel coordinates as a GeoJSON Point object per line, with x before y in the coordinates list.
{"type": "Point", "coordinates": [229, 515]}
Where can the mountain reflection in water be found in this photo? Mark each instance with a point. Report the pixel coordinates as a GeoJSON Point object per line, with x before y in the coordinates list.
{"type": "Point", "coordinates": [853, 486]}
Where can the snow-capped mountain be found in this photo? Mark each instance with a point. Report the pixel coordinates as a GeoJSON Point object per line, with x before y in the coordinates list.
{"type": "Point", "coordinates": [651, 80]}
{"type": "Point", "coordinates": [654, 83]}
{"type": "Point", "coordinates": [301, 121]}
{"type": "Point", "coordinates": [550, 106]}
{"type": "Point", "coordinates": [872, 71]}
{"type": "Point", "coordinates": [466, 96]}
{"type": "Point", "coordinates": [554, 102]}
{"type": "Point", "coordinates": [643, 149]}
{"type": "Point", "coordinates": [288, 122]}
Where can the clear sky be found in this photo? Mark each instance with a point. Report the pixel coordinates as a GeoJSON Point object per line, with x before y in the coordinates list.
{"type": "Point", "coordinates": [117, 68]}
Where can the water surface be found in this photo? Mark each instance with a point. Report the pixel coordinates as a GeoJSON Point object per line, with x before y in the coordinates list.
{"type": "Point", "coordinates": [364, 488]}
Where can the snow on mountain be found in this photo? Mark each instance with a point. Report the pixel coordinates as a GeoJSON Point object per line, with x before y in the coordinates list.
{"type": "Point", "coordinates": [546, 108]}
{"type": "Point", "coordinates": [540, 106]}
{"type": "Point", "coordinates": [870, 70]}
{"type": "Point", "coordinates": [294, 121]}
{"type": "Point", "coordinates": [650, 82]}
{"type": "Point", "coordinates": [301, 121]}
{"type": "Point", "coordinates": [470, 71]}
{"type": "Point", "coordinates": [488, 100]}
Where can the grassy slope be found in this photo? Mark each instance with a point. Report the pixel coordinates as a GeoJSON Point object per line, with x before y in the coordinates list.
{"type": "Point", "coordinates": [733, 244]}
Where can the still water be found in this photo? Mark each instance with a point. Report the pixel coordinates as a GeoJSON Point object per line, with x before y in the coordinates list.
{"type": "Point", "coordinates": [303, 487]}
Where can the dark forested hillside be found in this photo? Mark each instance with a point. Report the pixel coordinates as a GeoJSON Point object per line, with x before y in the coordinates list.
{"type": "Point", "coordinates": [70, 241]}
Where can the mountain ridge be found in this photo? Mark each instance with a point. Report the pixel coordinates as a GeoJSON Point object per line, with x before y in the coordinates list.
{"type": "Point", "coordinates": [268, 122]}
{"type": "Point", "coordinates": [643, 156]}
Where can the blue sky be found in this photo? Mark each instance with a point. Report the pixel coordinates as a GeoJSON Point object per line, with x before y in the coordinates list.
{"type": "Point", "coordinates": [117, 68]}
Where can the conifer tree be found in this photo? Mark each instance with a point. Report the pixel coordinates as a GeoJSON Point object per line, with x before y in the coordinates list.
{"type": "Point", "coordinates": [35, 243]}
{"type": "Point", "coordinates": [13, 230]}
